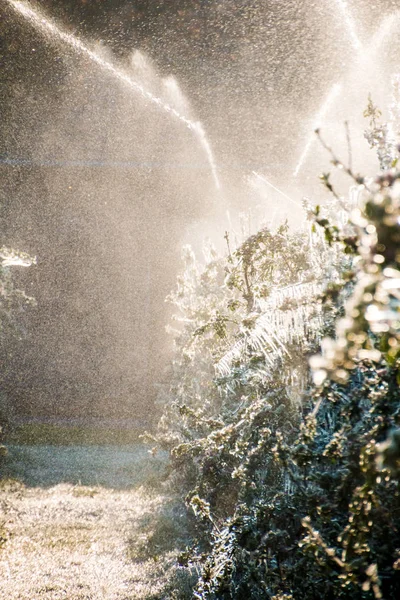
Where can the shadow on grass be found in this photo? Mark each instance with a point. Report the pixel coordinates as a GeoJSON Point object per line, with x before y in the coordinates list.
{"type": "Point", "coordinates": [163, 537]}
{"type": "Point", "coordinates": [109, 466]}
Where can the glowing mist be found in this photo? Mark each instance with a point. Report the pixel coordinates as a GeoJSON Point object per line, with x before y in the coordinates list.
{"type": "Point", "coordinates": [48, 27]}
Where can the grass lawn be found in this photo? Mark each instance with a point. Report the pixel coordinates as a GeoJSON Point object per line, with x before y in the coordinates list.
{"type": "Point", "coordinates": [88, 522]}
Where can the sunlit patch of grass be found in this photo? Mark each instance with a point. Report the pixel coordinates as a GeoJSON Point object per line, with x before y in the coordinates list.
{"type": "Point", "coordinates": [67, 536]}
{"type": "Point", "coordinates": [4, 534]}
{"type": "Point", "coordinates": [47, 589]}
{"type": "Point", "coordinates": [8, 484]}
{"type": "Point", "coordinates": [85, 542]}
{"type": "Point", "coordinates": [80, 491]}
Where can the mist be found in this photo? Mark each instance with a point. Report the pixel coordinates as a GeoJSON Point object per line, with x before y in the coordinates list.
{"type": "Point", "coordinates": [122, 140]}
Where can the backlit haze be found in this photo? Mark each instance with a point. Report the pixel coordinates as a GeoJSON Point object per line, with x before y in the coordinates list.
{"type": "Point", "coordinates": [128, 130]}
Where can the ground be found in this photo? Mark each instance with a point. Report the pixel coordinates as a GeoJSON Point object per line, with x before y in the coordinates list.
{"type": "Point", "coordinates": [73, 541]}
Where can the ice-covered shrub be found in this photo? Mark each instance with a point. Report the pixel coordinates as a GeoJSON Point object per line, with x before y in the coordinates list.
{"type": "Point", "coordinates": [293, 479]}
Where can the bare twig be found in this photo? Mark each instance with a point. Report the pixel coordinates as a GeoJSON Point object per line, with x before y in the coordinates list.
{"type": "Point", "coordinates": [338, 163]}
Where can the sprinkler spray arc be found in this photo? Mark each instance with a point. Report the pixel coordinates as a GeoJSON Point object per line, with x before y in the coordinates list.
{"type": "Point", "coordinates": [364, 53]}
{"type": "Point", "coordinates": [335, 89]}
{"type": "Point", "coordinates": [40, 22]}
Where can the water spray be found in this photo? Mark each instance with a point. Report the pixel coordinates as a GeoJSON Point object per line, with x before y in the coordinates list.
{"type": "Point", "coordinates": [351, 26]}
{"type": "Point", "coordinates": [363, 54]}
{"type": "Point", "coordinates": [334, 92]}
{"type": "Point", "coordinates": [48, 27]}
{"type": "Point", "coordinates": [385, 28]}
{"type": "Point", "coordinates": [271, 185]}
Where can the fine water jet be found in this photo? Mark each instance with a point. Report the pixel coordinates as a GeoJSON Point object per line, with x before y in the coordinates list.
{"type": "Point", "coordinates": [109, 169]}
{"type": "Point", "coordinates": [175, 94]}
{"type": "Point", "coordinates": [271, 185]}
{"type": "Point", "coordinates": [47, 27]}
{"type": "Point", "coordinates": [350, 25]}
{"type": "Point", "coordinates": [318, 121]}
{"type": "Point", "coordinates": [365, 63]}
{"type": "Point", "coordinates": [385, 30]}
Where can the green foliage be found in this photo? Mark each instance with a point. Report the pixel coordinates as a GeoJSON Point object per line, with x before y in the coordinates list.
{"type": "Point", "coordinates": [370, 327]}
{"type": "Point", "coordinates": [291, 476]}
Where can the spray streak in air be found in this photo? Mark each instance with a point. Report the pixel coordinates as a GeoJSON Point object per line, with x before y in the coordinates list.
{"type": "Point", "coordinates": [364, 56]}
{"type": "Point", "coordinates": [334, 92]}
{"type": "Point", "coordinates": [385, 29]}
{"type": "Point", "coordinates": [351, 27]}
{"type": "Point", "coordinates": [271, 185]}
{"type": "Point", "coordinates": [47, 27]}
{"type": "Point", "coordinates": [358, 47]}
